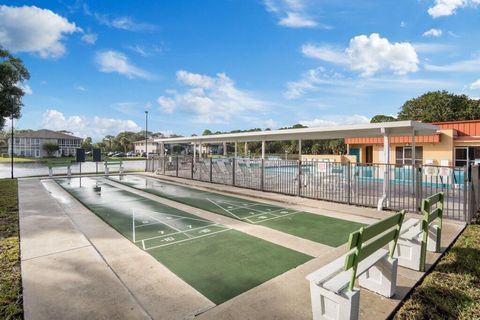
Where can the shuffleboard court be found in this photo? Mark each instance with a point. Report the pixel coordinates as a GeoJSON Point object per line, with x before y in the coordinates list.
{"type": "Point", "coordinates": [217, 261]}
{"type": "Point", "coordinates": [322, 229]}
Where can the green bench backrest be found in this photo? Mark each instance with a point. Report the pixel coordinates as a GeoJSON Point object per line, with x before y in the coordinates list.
{"type": "Point", "coordinates": [432, 210]}
{"type": "Point", "coordinates": [113, 163]}
{"type": "Point", "coordinates": [367, 240]}
{"type": "Point", "coordinates": [59, 163]}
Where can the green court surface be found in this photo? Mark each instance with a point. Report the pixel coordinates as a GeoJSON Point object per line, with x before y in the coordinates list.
{"type": "Point", "coordinates": [217, 261]}
{"type": "Point", "coordinates": [326, 230]}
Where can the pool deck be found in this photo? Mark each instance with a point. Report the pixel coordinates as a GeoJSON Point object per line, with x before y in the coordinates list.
{"type": "Point", "coordinates": [75, 266]}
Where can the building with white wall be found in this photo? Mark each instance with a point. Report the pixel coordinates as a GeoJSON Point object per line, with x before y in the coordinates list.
{"type": "Point", "coordinates": [29, 143]}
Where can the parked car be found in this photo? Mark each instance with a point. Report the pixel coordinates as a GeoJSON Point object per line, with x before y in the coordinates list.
{"type": "Point", "coordinates": [110, 154]}
{"type": "Point", "coordinates": [131, 154]}
{"type": "Point", "coordinates": [119, 154]}
{"type": "Point", "coordinates": [88, 153]}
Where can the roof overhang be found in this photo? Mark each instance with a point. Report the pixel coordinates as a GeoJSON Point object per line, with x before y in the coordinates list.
{"type": "Point", "coordinates": [397, 128]}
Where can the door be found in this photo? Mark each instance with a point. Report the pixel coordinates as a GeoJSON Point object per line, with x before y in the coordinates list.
{"type": "Point", "coordinates": [369, 154]}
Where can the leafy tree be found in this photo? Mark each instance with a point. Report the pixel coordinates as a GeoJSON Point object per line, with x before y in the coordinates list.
{"type": "Point", "coordinates": [12, 72]}
{"type": "Point", "coordinates": [382, 118]}
{"type": "Point", "coordinates": [87, 143]}
{"type": "Point", "coordinates": [440, 106]}
{"type": "Point", "coordinates": [50, 148]}
{"type": "Point", "coordinates": [207, 132]}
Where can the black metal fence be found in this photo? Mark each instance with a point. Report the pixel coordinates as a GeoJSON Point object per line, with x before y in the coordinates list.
{"type": "Point", "coordinates": [349, 183]}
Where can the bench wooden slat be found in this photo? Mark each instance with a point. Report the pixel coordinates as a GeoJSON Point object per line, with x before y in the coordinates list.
{"type": "Point", "coordinates": [377, 244]}
{"type": "Point", "coordinates": [435, 214]}
{"type": "Point", "coordinates": [340, 281]}
{"type": "Point", "coordinates": [380, 226]}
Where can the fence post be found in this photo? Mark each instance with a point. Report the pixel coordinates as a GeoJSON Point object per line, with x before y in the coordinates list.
{"type": "Point", "coordinates": [299, 191]}
{"type": "Point", "coordinates": [191, 167]}
{"type": "Point", "coordinates": [211, 166]}
{"type": "Point", "coordinates": [262, 175]}
{"type": "Point", "coordinates": [176, 167]}
{"type": "Point", "coordinates": [466, 192]}
{"type": "Point", "coordinates": [349, 182]}
{"type": "Point", "coordinates": [233, 171]}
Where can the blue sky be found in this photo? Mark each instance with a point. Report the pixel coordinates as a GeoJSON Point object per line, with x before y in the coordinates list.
{"type": "Point", "coordinates": [235, 64]}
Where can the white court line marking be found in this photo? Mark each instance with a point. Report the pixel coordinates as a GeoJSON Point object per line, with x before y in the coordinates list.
{"type": "Point", "coordinates": [174, 228]}
{"type": "Point", "coordinates": [285, 215]}
{"type": "Point", "coordinates": [149, 224]}
{"type": "Point", "coordinates": [171, 215]}
{"type": "Point", "coordinates": [174, 233]}
{"type": "Point", "coordinates": [205, 235]}
{"type": "Point", "coordinates": [228, 211]}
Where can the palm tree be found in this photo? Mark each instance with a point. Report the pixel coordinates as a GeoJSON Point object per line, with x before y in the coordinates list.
{"type": "Point", "coordinates": [125, 143]}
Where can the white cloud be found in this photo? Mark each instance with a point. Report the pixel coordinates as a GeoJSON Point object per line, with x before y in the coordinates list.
{"type": "Point", "coordinates": [472, 65]}
{"type": "Point", "coordinates": [448, 7]}
{"type": "Point", "coordinates": [369, 55]}
{"type": "Point", "coordinates": [80, 88]}
{"type": "Point", "coordinates": [316, 80]}
{"type": "Point", "coordinates": [114, 61]}
{"type": "Point", "coordinates": [96, 127]}
{"type": "Point", "coordinates": [209, 99]}
{"type": "Point", "coordinates": [433, 33]}
{"type": "Point", "coordinates": [309, 81]}
{"type": "Point", "coordinates": [297, 20]}
{"type": "Point", "coordinates": [89, 38]}
{"type": "Point", "coordinates": [403, 24]}
{"type": "Point", "coordinates": [335, 121]}
{"type": "Point", "coordinates": [31, 29]}
{"type": "Point", "coordinates": [422, 47]}
{"type": "Point", "coordinates": [26, 89]}
{"type": "Point", "coordinates": [123, 23]}
{"type": "Point", "coordinates": [475, 85]}
{"type": "Point", "coordinates": [325, 53]}
{"type": "Point", "coordinates": [291, 13]}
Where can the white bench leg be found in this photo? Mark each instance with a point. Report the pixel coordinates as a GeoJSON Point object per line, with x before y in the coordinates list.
{"type": "Point", "coordinates": [329, 305]}
{"type": "Point", "coordinates": [381, 277]}
{"type": "Point", "coordinates": [50, 172]}
{"type": "Point", "coordinates": [106, 171]}
{"type": "Point", "coordinates": [408, 253]}
{"type": "Point", "coordinates": [69, 172]}
{"type": "Point", "coordinates": [433, 243]}
{"type": "Point", "coordinates": [120, 170]}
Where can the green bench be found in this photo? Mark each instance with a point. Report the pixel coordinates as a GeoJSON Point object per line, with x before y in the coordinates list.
{"type": "Point", "coordinates": [332, 287]}
{"type": "Point", "coordinates": [113, 163]}
{"type": "Point", "coordinates": [60, 163]}
{"type": "Point", "coordinates": [418, 236]}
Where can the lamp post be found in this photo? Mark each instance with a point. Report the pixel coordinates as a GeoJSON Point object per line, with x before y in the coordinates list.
{"type": "Point", "coordinates": [146, 139]}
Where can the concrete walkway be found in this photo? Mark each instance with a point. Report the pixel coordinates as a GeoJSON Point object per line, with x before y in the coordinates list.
{"type": "Point", "coordinates": [74, 266]}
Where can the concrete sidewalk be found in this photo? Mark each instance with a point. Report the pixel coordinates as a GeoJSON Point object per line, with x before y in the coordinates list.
{"type": "Point", "coordinates": [74, 266]}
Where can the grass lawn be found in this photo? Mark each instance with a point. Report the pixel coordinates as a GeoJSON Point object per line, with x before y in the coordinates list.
{"type": "Point", "coordinates": [10, 277]}
{"type": "Point", "coordinates": [17, 160]}
{"type": "Point", "coordinates": [452, 289]}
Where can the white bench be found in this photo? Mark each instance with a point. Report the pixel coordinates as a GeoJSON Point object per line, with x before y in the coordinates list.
{"type": "Point", "coordinates": [110, 163]}
{"type": "Point", "coordinates": [59, 164]}
{"type": "Point", "coordinates": [332, 290]}
{"type": "Point", "coordinates": [418, 236]}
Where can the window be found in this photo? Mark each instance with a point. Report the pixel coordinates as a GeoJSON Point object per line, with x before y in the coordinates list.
{"type": "Point", "coordinates": [403, 155]}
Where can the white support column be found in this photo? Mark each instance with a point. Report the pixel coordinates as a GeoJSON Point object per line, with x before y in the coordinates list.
{"type": "Point", "coordinates": [236, 148]}
{"type": "Point", "coordinates": [162, 151]}
{"type": "Point", "coordinates": [225, 149]}
{"type": "Point", "coordinates": [386, 160]}
{"type": "Point", "coordinates": [263, 149]}
{"type": "Point", "coordinates": [194, 151]}
{"type": "Point", "coordinates": [299, 149]}
{"type": "Point", "coordinates": [245, 148]}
